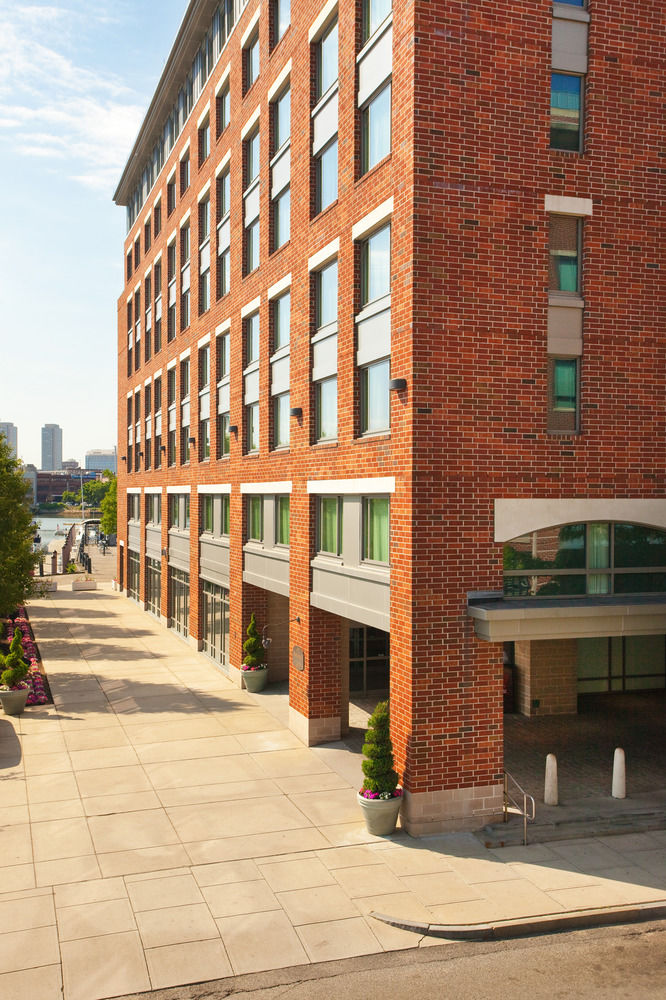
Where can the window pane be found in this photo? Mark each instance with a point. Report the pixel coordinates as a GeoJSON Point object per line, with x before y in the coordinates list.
{"type": "Point", "coordinates": [375, 401]}
{"type": "Point", "coordinates": [565, 384]}
{"type": "Point", "coordinates": [256, 519]}
{"type": "Point", "coordinates": [327, 60]}
{"type": "Point", "coordinates": [327, 294]}
{"type": "Point", "coordinates": [226, 520]}
{"type": "Point", "coordinates": [282, 17]}
{"type": "Point", "coordinates": [327, 177]}
{"type": "Point", "coordinates": [563, 243]}
{"type": "Point", "coordinates": [282, 536]}
{"type": "Point", "coordinates": [252, 338]}
{"type": "Point", "coordinates": [252, 235]}
{"type": "Point", "coordinates": [639, 546]}
{"type": "Point", "coordinates": [252, 158]}
{"type": "Point", "coordinates": [281, 219]}
{"type": "Point", "coordinates": [376, 529]}
{"type": "Point", "coordinates": [565, 105]}
{"type": "Point", "coordinates": [253, 427]}
{"type": "Point", "coordinates": [376, 266]}
{"type": "Point", "coordinates": [282, 119]}
{"type": "Point", "coordinates": [281, 320]}
{"type": "Point", "coordinates": [374, 12]}
{"type": "Point", "coordinates": [377, 129]}
{"type": "Point", "coordinates": [326, 405]}
{"type": "Point", "coordinates": [328, 525]}
{"type": "Point", "coordinates": [281, 420]}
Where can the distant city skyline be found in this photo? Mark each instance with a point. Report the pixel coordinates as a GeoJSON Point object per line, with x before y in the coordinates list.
{"type": "Point", "coordinates": [51, 448]}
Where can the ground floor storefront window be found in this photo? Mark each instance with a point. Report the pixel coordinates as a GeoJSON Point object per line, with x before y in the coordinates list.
{"type": "Point", "coordinates": [133, 574]}
{"type": "Point", "coordinates": [368, 660]}
{"type": "Point", "coordinates": [179, 600]}
{"type": "Point", "coordinates": [215, 621]}
{"type": "Point", "coordinates": [622, 663]}
{"type": "Point", "coordinates": [153, 586]}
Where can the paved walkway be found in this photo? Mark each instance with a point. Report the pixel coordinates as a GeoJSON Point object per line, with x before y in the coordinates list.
{"type": "Point", "coordinates": [159, 827]}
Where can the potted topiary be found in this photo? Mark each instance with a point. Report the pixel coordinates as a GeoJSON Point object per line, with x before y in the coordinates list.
{"type": "Point", "coordinates": [379, 798]}
{"type": "Point", "coordinates": [255, 670]}
{"type": "Point", "coordinates": [14, 671]}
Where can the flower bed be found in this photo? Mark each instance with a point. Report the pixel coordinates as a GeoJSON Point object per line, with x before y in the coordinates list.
{"type": "Point", "coordinates": [35, 679]}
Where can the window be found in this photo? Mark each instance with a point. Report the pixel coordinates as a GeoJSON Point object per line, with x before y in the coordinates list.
{"type": "Point", "coordinates": [325, 353]}
{"type": "Point", "coordinates": [134, 507]}
{"type": "Point", "coordinates": [251, 61]}
{"type": "Point", "coordinates": [376, 129]}
{"type": "Point", "coordinates": [563, 395]}
{"type": "Point", "coordinates": [375, 406]}
{"type": "Point", "coordinates": [171, 291]}
{"type": "Point", "coordinates": [223, 434]}
{"type": "Point", "coordinates": [154, 508]}
{"type": "Point", "coordinates": [171, 195]}
{"type": "Point", "coordinates": [282, 520]}
{"type": "Point", "coordinates": [373, 332]}
{"type": "Point", "coordinates": [148, 425]}
{"type": "Point", "coordinates": [223, 109]}
{"type": "Point", "coordinates": [280, 369]}
{"type": "Point", "coordinates": [566, 93]}
{"type": "Point", "coordinates": [130, 435]}
{"type": "Point", "coordinates": [185, 276]}
{"type": "Point", "coordinates": [137, 252]}
{"type": "Point", "coordinates": [280, 170]}
{"type": "Point", "coordinates": [252, 339]}
{"type": "Point", "coordinates": [130, 338]}
{"type": "Point", "coordinates": [204, 255]}
{"type": "Point", "coordinates": [184, 174]}
{"type": "Point", "coordinates": [251, 382]}
{"type": "Point", "coordinates": [204, 404]}
{"type": "Point", "coordinates": [157, 219]}
{"type": "Point", "coordinates": [185, 412]}
{"type": "Point", "coordinates": [171, 404]}
{"type": "Point", "coordinates": [223, 233]}
{"type": "Point", "coordinates": [128, 271]}
{"type": "Point", "coordinates": [329, 525]}
{"type": "Point", "coordinates": [255, 519]}
{"type": "Point", "coordinates": [374, 12]}
{"type": "Point", "coordinates": [280, 19]}
{"type": "Point", "coordinates": [204, 140]}
{"type": "Point", "coordinates": [137, 330]}
{"type": "Point", "coordinates": [147, 235]}
{"type": "Point", "coordinates": [576, 560]}
{"type": "Point", "coordinates": [376, 266]}
{"type": "Point", "coordinates": [564, 247]}
{"type": "Point", "coordinates": [251, 203]}
{"type": "Point", "coordinates": [226, 514]}
{"type": "Point", "coordinates": [157, 288]}
{"type": "Point", "coordinates": [252, 427]}
{"type": "Point", "coordinates": [148, 316]}
{"type": "Point", "coordinates": [376, 529]}
{"type": "Point", "coordinates": [157, 405]}
{"type": "Point", "coordinates": [207, 514]}
{"type": "Point", "coordinates": [215, 621]}
{"type": "Point", "coordinates": [325, 115]}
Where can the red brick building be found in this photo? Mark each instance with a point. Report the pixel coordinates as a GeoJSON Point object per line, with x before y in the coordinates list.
{"type": "Point", "coordinates": [391, 362]}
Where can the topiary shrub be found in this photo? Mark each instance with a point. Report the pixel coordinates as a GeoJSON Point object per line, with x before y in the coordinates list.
{"type": "Point", "coordinates": [253, 648]}
{"type": "Point", "coordinates": [381, 779]}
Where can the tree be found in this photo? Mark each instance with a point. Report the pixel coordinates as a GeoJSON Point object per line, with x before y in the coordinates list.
{"type": "Point", "coordinates": [17, 560]}
{"type": "Point", "coordinates": [109, 507]}
{"type": "Point", "coordinates": [94, 492]}
{"type": "Point", "coordinates": [380, 777]}
{"type": "Point", "coordinates": [253, 647]}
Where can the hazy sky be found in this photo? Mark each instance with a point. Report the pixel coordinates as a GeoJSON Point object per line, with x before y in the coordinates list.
{"type": "Point", "coordinates": [76, 78]}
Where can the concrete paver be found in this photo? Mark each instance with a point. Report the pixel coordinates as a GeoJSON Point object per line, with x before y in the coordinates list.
{"type": "Point", "coordinates": [160, 827]}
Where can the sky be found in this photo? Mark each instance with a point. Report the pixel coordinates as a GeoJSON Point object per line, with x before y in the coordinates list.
{"type": "Point", "coordinates": [76, 79]}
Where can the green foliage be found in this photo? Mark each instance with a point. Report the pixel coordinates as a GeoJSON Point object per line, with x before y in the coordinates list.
{"type": "Point", "coordinates": [70, 567]}
{"type": "Point", "coordinates": [71, 499]}
{"type": "Point", "coordinates": [14, 668]}
{"type": "Point", "coordinates": [94, 492]}
{"type": "Point", "coordinates": [109, 506]}
{"type": "Point", "coordinates": [17, 560]}
{"type": "Point", "coordinates": [378, 752]}
{"type": "Point", "coordinates": [253, 647]}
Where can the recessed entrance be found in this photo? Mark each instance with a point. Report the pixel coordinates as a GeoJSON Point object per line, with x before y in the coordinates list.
{"type": "Point", "coordinates": [369, 660]}
{"type": "Point", "coordinates": [621, 663]}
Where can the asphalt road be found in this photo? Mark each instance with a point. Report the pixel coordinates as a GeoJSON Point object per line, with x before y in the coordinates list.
{"type": "Point", "coordinates": [617, 963]}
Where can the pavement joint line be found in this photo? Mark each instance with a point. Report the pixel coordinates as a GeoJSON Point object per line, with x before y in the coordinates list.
{"type": "Point", "coordinates": [548, 923]}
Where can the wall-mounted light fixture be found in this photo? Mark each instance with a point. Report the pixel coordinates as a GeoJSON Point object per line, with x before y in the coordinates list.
{"type": "Point", "coordinates": [123, 458]}
{"type": "Point", "coordinates": [398, 384]}
{"type": "Point", "coordinates": [192, 440]}
{"type": "Point", "coordinates": [162, 447]}
{"type": "Point", "coordinates": [296, 411]}
{"type": "Point", "coordinates": [164, 552]}
{"type": "Point", "coordinates": [266, 639]}
{"type": "Point", "coordinates": [233, 429]}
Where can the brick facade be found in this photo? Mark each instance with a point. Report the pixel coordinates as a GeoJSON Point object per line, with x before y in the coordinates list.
{"type": "Point", "coordinates": [469, 169]}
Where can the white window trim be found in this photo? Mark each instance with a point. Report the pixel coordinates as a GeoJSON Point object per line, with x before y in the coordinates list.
{"type": "Point", "coordinates": [133, 491]}
{"type": "Point", "coordinates": [373, 220]}
{"type": "Point", "coordinates": [251, 307]}
{"type": "Point", "coordinates": [252, 24]}
{"type": "Point", "coordinates": [185, 355]}
{"type": "Point", "coordinates": [204, 191]}
{"type": "Point", "coordinates": [279, 82]}
{"type": "Point", "coordinates": [223, 328]}
{"type": "Point", "coordinates": [351, 487]}
{"type": "Point", "coordinates": [214, 488]}
{"type": "Point", "coordinates": [324, 256]}
{"type": "Point", "coordinates": [172, 364]}
{"type": "Point", "coordinates": [204, 114]}
{"type": "Point", "coordinates": [153, 491]}
{"type": "Point", "coordinates": [185, 219]}
{"type": "Point", "coordinates": [280, 286]}
{"type": "Point", "coordinates": [562, 205]}
{"type": "Point", "coordinates": [184, 151]}
{"type": "Point", "coordinates": [157, 374]}
{"type": "Point", "coordinates": [223, 80]}
{"type": "Point", "coordinates": [251, 122]}
{"type": "Point", "coordinates": [204, 342]}
{"type": "Point", "coordinates": [185, 490]}
{"type": "Point", "coordinates": [322, 21]}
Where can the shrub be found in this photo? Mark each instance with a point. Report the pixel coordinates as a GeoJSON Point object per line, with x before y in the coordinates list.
{"type": "Point", "coordinates": [253, 647]}
{"type": "Point", "coordinates": [380, 779]}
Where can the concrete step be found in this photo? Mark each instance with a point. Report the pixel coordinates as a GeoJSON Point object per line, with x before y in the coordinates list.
{"type": "Point", "coordinates": [573, 825]}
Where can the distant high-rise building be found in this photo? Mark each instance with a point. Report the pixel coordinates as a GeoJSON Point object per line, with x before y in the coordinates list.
{"type": "Point", "coordinates": [51, 447]}
{"type": "Point", "coordinates": [100, 459]}
{"type": "Point", "coordinates": [11, 433]}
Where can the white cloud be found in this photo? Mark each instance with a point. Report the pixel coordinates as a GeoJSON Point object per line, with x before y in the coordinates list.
{"type": "Point", "coordinates": [54, 106]}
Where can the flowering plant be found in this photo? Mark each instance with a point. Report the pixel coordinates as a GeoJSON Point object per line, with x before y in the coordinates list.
{"type": "Point", "coordinates": [364, 793]}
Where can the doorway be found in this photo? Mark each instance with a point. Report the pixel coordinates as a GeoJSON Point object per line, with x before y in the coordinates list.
{"type": "Point", "coordinates": [369, 661]}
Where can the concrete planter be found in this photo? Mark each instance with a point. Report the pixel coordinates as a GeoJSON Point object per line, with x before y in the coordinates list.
{"type": "Point", "coordinates": [13, 702]}
{"type": "Point", "coordinates": [84, 585]}
{"type": "Point", "coordinates": [380, 815]}
{"type": "Point", "coordinates": [255, 680]}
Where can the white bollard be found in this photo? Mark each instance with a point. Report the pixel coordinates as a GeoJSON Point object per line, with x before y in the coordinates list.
{"type": "Point", "coordinates": [550, 788]}
{"type": "Point", "coordinates": [619, 789]}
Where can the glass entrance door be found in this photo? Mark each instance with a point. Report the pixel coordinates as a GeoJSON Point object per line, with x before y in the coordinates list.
{"type": "Point", "coordinates": [369, 660]}
{"type": "Point", "coordinates": [179, 600]}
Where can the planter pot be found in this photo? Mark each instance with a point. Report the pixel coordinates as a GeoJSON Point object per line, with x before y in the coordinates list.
{"type": "Point", "coordinates": [380, 815]}
{"type": "Point", "coordinates": [13, 702]}
{"type": "Point", "coordinates": [255, 680]}
{"type": "Point", "coordinates": [84, 585]}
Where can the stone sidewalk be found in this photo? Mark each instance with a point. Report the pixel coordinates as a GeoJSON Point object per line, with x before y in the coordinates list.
{"type": "Point", "coordinates": [160, 827]}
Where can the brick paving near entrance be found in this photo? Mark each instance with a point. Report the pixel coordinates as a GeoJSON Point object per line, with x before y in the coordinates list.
{"type": "Point", "coordinates": [159, 827]}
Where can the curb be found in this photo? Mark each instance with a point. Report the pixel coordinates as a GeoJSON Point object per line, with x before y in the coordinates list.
{"type": "Point", "coordinates": [548, 923]}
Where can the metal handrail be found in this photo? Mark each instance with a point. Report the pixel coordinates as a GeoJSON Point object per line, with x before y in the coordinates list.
{"type": "Point", "coordinates": [512, 796]}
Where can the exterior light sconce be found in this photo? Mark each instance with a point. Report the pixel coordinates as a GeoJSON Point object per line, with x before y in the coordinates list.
{"type": "Point", "coordinates": [192, 440]}
{"type": "Point", "coordinates": [266, 639]}
{"type": "Point", "coordinates": [164, 553]}
{"type": "Point", "coordinates": [140, 454]}
{"type": "Point", "coordinates": [233, 429]}
{"type": "Point", "coordinates": [296, 411]}
{"type": "Point", "coordinates": [162, 447]}
{"type": "Point", "coordinates": [123, 458]}
{"type": "Point", "coordinates": [398, 384]}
